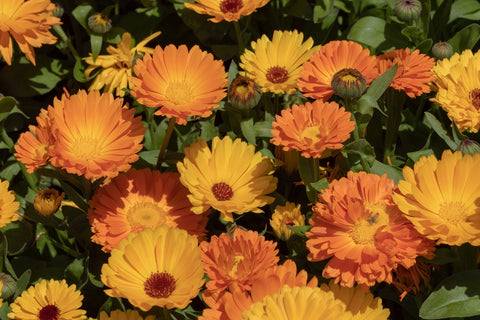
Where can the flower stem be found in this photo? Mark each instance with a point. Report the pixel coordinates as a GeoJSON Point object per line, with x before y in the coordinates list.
{"type": "Point", "coordinates": [59, 30]}
{"type": "Point", "coordinates": [238, 32]}
{"type": "Point", "coordinates": [166, 314]}
{"type": "Point", "coordinates": [166, 139]}
{"type": "Point", "coordinates": [394, 100]}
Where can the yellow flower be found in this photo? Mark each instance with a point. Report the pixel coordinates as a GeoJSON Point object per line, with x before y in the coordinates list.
{"type": "Point", "coordinates": [440, 197]}
{"type": "Point", "coordinates": [228, 10]}
{"type": "Point", "coordinates": [231, 177]}
{"type": "Point", "coordinates": [121, 315]}
{"type": "Point", "coordinates": [8, 205]}
{"type": "Point", "coordinates": [160, 267]}
{"type": "Point", "coordinates": [276, 64]}
{"type": "Point", "coordinates": [116, 67]}
{"type": "Point", "coordinates": [48, 300]}
{"type": "Point", "coordinates": [48, 201]}
{"type": "Point", "coordinates": [287, 215]}
{"type": "Point", "coordinates": [304, 303]}
{"type": "Point", "coordinates": [458, 86]}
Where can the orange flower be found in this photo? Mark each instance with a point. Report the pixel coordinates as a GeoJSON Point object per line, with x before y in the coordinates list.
{"type": "Point", "coordinates": [360, 227]}
{"type": "Point", "coordinates": [183, 83]}
{"type": "Point", "coordinates": [313, 129]}
{"type": "Point", "coordinates": [28, 22]}
{"type": "Point", "coordinates": [238, 260]}
{"type": "Point", "coordinates": [141, 199]}
{"type": "Point", "coordinates": [93, 135]}
{"type": "Point", "coordinates": [233, 303]}
{"type": "Point", "coordinates": [414, 70]}
{"type": "Point", "coordinates": [317, 74]}
{"type": "Point", "coordinates": [228, 10]}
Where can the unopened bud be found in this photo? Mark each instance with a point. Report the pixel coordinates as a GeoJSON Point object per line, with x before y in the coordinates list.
{"type": "Point", "coordinates": [9, 286]}
{"type": "Point", "coordinates": [442, 50]}
{"type": "Point", "coordinates": [48, 201]}
{"type": "Point", "coordinates": [407, 10]}
{"type": "Point", "coordinates": [244, 93]}
{"type": "Point", "coordinates": [99, 23]}
{"type": "Point", "coordinates": [58, 12]}
{"type": "Point", "coordinates": [349, 83]}
{"type": "Point", "coordinates": [468, 147]}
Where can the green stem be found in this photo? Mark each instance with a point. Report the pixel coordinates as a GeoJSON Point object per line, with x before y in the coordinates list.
{"type": "Point", "coordinates": [66, 249]}
{"type": "Point", "coordinates": [238, 32]}
{"type": "Point", "coordinates": [166, 314]}
{"type": "Point", "coordinates": [168, 134]}
{"type": "Point", "coordinates": [277, 104]}
{"type": "Point", "coordinates": [394, 100]}
{"type": "Point", "coordinates": [59, 30]}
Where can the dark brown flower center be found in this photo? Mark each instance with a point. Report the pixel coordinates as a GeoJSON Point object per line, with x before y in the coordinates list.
{"type": "Point", "coordinates": [475, 96]}
{"type": "Point", "coordinates": [159, 285]}
{"type": "Point", "coordinates": [49, 312]}
{"type": "Point", "coordinates": [222, 191]}
{"type": "Point", "coordinates": [231, 6]}
{"type": "Point", "coordinates": [277, 74]}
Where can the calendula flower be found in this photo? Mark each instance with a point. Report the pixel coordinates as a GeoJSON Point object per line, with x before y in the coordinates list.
{"type": "Point", "coordinates": [230, 177]}
{"type": "Point", "coordinates": [116, 67]}
{"type": "Point", "coordinates": [124, 315]}
{"type": "Point", "coordinates": [239, 259]}
{"type": "Point", "coordinates": [314, 129]}
{"type": "Point", "coordinates": [8, 205]}
{"type": "Point", "coordinates": [148, 199]}
{"type": "Point", "coordinates": [458, 89]}
{"type": "Point", "coordinates": [29, 23]}
{"type": "Point", "coordinates": [287, 215]}
{"type": "Point", "coordinates": [244, 93]}
{"type": "Point", "coordinates": [99, 23]}
{"type": "Point", "coordinates": [90, 134]}
{"type": "Point", "coordinates": [440, 197]}
{"type": "Point", "coordinates": [167, 270]}
{"type": "Point", "coordinates": [334, 57]}
{"type": "Point", "coordinates": [298, 303]}
{"type": "Point", "coordinates": [48, 201]}
{"type": "Point", "coordinates": [360, 228]}
{"type": "Point", "coordinates": [275, 64]}
{"type": "Point", "coordinates": [181, 82]}
{"type": "Point", "coordinates": [362, 304]}
{"type": "Point", "coordinates": [235, 301]}
{"type": "Point", "coordinates": [414, 70]}
{"type": "Point", "coordinates": [228, 10]}
{"type": "Point", "coordinates": [48, 300]}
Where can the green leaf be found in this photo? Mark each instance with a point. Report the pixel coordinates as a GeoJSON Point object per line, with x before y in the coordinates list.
{"type": "Point", "coordinates": [81, 14]}
{"type": "Point", "coordinates": [209, 130]}
{"type": "Point", "coordinates": [465, 9]}
{"type": "Point", "coordinates": [263, 129]}
{"type": "Point", "coordinates": [392, 172]}
{"type": "Point", "coordinates": [369, 31]}
{"type": "Point", "coordinates": [248, 131]}
{"type": "Point", "coordinates": [438, 127]}
{"type": "Point", "coordinates": [465, 38]}
{"type": "Point", "coordinates": [96, 44]}
{"type": "Point", "coordinates": [7, 104]}
{"type": "Point", "coordinates": [18, 235]}
{"type": "Point", "coordinates": [232, 72]}
{"type": "Point", "coordinates": [380, 84]}
{"type": "Point", "coordinates": [309, 170]}
{"type": "Point", "coordinates": [75, 273]}
{"type": "Point", "coordinates": [320, 184]}
{"type": "Point", "coordinates": [22, 282]}
{"type": "Point", "coordinates": [457, 135]}
{"type": "Point", "coordinates": [300, 230]}
{"type": "Point", "coordinates": [322, 9]}
{"type": "Point", "coordinates": [457, 296]}
{"type": "Point", "coordinates": [357, 152]}
{"type": "Point", "coordinates": [415, 156]}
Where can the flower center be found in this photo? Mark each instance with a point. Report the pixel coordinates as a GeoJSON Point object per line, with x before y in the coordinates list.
{"type": "Point", "coordinates": [87, 148]}
{"type": "Point", "coordinates": [49, 312]}
{"type": "Point", "coordinates": [475, 96]}
{"type": "Point", "coordinates": [231, 6]}
{"type": "Point", "coordinates": [454, 211]}
{"type": "Point", "coordinates": [277, 74]}
{"type": "Point", "coordinates": [146, 214]}
{"type": "Point", "coordinates": [179, 92]}
{"type": "Point", "coordinates": [222, 191]}
{"type": "Point", "coordinates": [363, 232]}
{"type": "Point", "coordinates": [159, 285]}
{"type": "Point", "coordinates": [234, 269]}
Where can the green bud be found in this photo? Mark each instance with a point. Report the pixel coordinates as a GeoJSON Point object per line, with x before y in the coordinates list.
{"type": "Point", "coordinates": [99, 23]}
{"type": "Point", "coordinates": [442, 50]}
{"type": "Point", "coordinates": [468, 147]}
{"type": "Point", "coordinates": [407, 10]}
{"type": "Point", "coordinates": [244, 93]}
{"type": "Point", "coordinates": [9, 285]}
{"type": "Point", "coordinates": [349, 83]}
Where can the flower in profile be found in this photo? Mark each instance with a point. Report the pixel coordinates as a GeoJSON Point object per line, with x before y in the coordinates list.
{"type": "Point", "coordinates": [91, 134]}
{"type": "Point", "coordinates": [440, 198]}
{"type": "Point", "coordinates": [360, 228]}
{"type": "Point", "coordinates": [244, 93]}
{"type": "Point", "coordinates": [182, 83]}
{"type": "Point", "coordinates": [239, 259]}
{"type": "Point", "coordinates": [28, 22]}
{"type": "Point", "coordinates": [141, 199]}
{"type": "Point", "coordinates": [274, 72]}
{"type": "Point", "coordinates": [124, 315]}
{"type": "Point", "coordinates": [233, 302]}
{"type": "Point", "coordinates": [228, 10]}
{"type": "Point", "coordinates": [99, 23]}
{"type": "Point", "coordinates": [231, 177]}
{"type": "Point", "coordinates": [51, 299]}
{"type": "Point", "coordinates": [167, 270]}
{"type": "Point", "coordinates": [413, 279]}
{"type": "Point", "coordinates": [362, 304]}
{"type": "Point", "coordinates": [458, 89]}
{"type": "Point", "coordinates": [8, 205]}
{"type": "Point", "coordinates": [287, 215]}
{"type": "Point", "coordinates": [48, 201]}
{"type": "Point", "coordinates": [116, 67]}
{"type": "Point", "coordinates": [298, 303]}
{"type": "Point", "coordinates": [314, 129]}
{"type": "Point", "coordinates": [414, 70]}
{"type": "Point", "coordinates": [334, 57]}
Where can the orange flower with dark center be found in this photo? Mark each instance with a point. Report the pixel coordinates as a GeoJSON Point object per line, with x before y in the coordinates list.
{"type": "Point", "coordinates": [49, 312]}
{"type": "Point", "coordinates": [228, 10]}
{"type": "Point", "coordinates": [28, 22]}
{"type": "Point", "coordinates": [277, 74]}
{"type": "Point", "coordinates": [414, 71]}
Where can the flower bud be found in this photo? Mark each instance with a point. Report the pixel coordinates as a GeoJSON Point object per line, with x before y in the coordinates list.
{"type": "Point", "coordinates": [287, 215]}
{"type": "Point", "coordinates": [99, 23]}
{"type": "Point", "coordinates": [349, 83]}
{"type": "Point", "coordinates": [468, 147]}
{"type": "Point", "coordinates": [9, 286]}
{"type": "Point", "coordinates": [407, 10]}
{"type": "Point", "coordinates": [48, 201]}
{"type": "Point", "coordinates": [244, 93]}
{"type": "Point", "coordinates": [58, 12]}
{"type": "Point", "coordinates": [442, 50]}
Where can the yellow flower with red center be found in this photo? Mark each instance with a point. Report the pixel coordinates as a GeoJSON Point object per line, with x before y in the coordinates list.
{"type": "Point", "coordinates": [287, 215]}
{"type": "Point", "coordinates": [228, 10]}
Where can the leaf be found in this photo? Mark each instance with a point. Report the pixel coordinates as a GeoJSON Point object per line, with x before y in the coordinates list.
{"type": "Point", "coordinates": [465, 9]}
{"type": "Point", "coordinates": [209, 130]}
{"type": "Point", "coordinates": [437, 126]}
{"type": "Point", "coordinates": [465, 38]}
{"type": "Point", "coordinates": [368, 30]}
{"type": "Point", "coordinates": [22, 282]}
{"type": "Point", "coordinates": [7, 104]}
{"type": "Point", "coordinates": [392, 172]}
{"type": "Point", "coordinates": [248, 131]}
{"type": "Point", "coordinates": [96, 44]}
{"type": "Point", "coordinates": [322, 9]}
{"type": "Point", "coordinates": [310, 173]}
{"type": "Point", "coordinates": [359, 153]}
{"type": "Point", "coordinates": [81, 14]}
{"type": "Point", "coordinates": [18, 235]}
{"type": "Point", "coordinates": [380, 84]}
{"type": "Point", "coordinates": [415, 156]}
{"type": "Point", "coordinates": [300, 230]}
{"type": "Point", "coordinates": [75, 273]}
{"type": "Point", "coordinates": [232, 72]}
{"type": "Point", "coordinates": [457, 296]}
